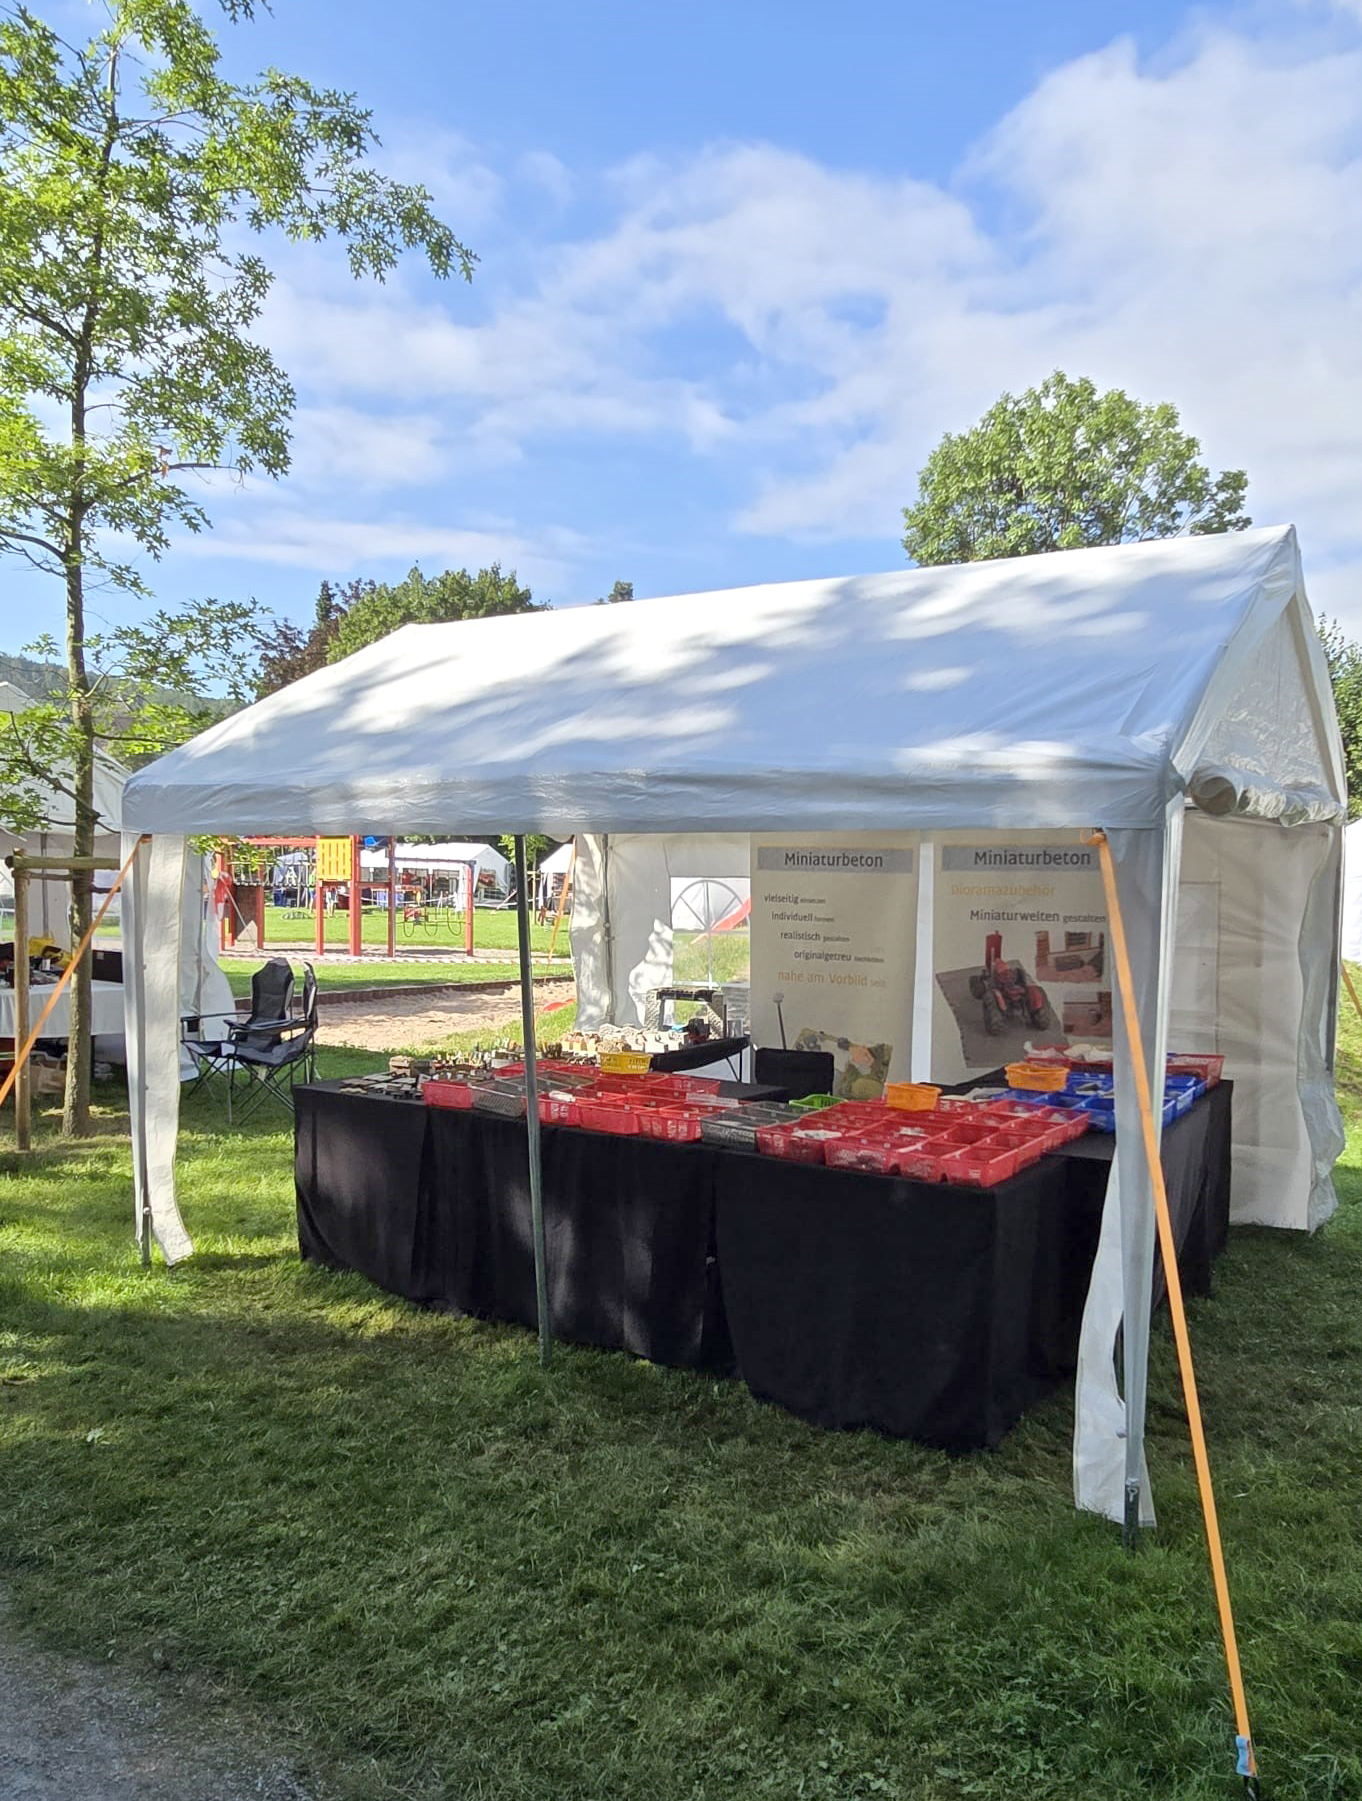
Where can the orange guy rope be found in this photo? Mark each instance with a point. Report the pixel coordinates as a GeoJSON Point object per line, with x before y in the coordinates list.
{"type": "Point", "coordinates": [1248, 1765]}
{"type": "Point", "coordinates": [563, 898]}
{"type": "Point", "coordinates": [1348, 981]}
{"type": "Point", "coordinates": [26, 1048]}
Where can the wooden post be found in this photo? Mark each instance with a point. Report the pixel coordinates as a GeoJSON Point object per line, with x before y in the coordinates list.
{"type": "Point", "coordinates": [319, 902]}
{"type": "Point", "coordinates": [260, 917]}
{"type": "Point", "coordinates": [472, 869]}
{"type": "Point", "coordinates": [356, 907]}
{"type": "Point", "coordinates": [23, 1088]}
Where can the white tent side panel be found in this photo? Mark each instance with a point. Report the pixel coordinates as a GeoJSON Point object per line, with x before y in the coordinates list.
{"type": "Point", "coordinates": [1247, 943]}
{"type": "Point", "coordinates": [625, 883]}
{"type": "Point", "coordinates": [1352, 892]}
{"type": "Point", "coordinates": [1273, 749]}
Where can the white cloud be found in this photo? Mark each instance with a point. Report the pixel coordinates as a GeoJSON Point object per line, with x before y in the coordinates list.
{"type": "Point", "coordinates": [375, 452]}
{"type": "Point", "coordinates": [271, 529]}
{"type": "Point", "coordinates": [543, 170]}
{"type": "Point", "coordinates": [465, 190]}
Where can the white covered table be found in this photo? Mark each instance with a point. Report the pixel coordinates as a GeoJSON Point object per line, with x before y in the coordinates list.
{"type": "Point", "coordinates": [106, 1007]}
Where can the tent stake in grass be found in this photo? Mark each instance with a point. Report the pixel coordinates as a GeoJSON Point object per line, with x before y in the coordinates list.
{"type": "Point", "coordinates": [1247, 1764]}
{"type": "Point", "coordinates": [541, 1284]}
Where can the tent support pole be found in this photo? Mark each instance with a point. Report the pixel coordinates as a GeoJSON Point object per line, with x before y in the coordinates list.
{"type": "Point", "coordinates": [22, 1086]}
{"type": "Point", "coordinates": [541, 1282]}
{"type": "Point", "coordinates": [392, 898]}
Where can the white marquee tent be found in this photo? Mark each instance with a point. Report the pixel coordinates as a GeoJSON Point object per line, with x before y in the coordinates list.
{"type": "Point", "coordinates": [203, 989]}
{"type": "Point", "coordinates": [50, 900]}
{"type": "Point", "coordinates": [448, 859]}
{"type": "Point", "coordinates": [1173, 694]}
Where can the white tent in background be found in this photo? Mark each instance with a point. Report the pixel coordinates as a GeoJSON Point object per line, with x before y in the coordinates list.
{"type": "Point", "coordinates": [558, 862]}
{"type": "Point", "coordinates": [203, 990]}
{"type": "Point", "coordinates": [1173, 694]}
{"type": "Point", "coordinates": [49, 904]}
{"type": "Point", "coordinates": [446, 862]}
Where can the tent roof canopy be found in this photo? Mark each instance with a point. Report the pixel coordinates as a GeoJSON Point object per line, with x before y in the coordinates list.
{"type": "Point", "coordinates": [1075, 688]}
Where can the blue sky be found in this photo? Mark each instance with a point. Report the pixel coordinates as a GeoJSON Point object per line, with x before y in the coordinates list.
{"type": "Point", "coordinates": [742, 264]}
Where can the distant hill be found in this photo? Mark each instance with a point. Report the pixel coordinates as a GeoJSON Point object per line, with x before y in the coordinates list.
{"type": "Point", "coordinates": [46, 681]}
{"type": "Point", "coordinates": [38, 680]}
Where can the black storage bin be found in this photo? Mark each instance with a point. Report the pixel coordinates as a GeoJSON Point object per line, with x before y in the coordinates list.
{"type": "Point", "coordinates": [797, 1072]}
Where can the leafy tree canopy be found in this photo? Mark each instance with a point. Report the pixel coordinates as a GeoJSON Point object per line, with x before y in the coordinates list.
{"type": "Point", "coordinates": [287, 652]}
{"type": "Point", "coordinates": [427, 600]}
{"type": "Point", "coordinates": [1063, 467]}
{"type": "Point", "coordinates": [133, 175]}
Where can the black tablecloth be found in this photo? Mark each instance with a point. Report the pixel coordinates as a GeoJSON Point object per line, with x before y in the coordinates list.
{"type": "Point", "coordinates": [931, 1312]}
{"type": "Point", "coordinates": [924, 1311]}
{"type": "Point", "coordinates": [906, 1306]}
{"type": "Point", "coordinates": [362, 1201]}
{"type": "Point", "coordinates": [628, 1235]}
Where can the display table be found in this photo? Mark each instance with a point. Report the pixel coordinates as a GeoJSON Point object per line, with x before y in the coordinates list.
{"type": "Point", "coordinates": [106, 1009]}
{"type": "Point", "coordinates": [852, 1300]}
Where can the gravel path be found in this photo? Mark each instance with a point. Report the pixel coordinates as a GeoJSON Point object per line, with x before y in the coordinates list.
{"type": "Point", "coordinates": [77, 1731]}
{"type": "Point", "coordinates": [402, 1022]}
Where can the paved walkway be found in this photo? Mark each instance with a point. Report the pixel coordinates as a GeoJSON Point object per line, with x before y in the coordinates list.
{"type": "Point", "coordinates": [75, 1731]}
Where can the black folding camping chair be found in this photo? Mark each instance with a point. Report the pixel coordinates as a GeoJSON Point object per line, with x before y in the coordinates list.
{"type": "Point", "coordinates": [273, 1054]}
{"type": "Point", "coordinates": [271, 1004]}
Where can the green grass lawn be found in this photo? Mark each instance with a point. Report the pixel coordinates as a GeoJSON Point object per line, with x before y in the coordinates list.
{"type": "Point", "coordinates": [407, 973]}
{"type": "Point", "coordinates": [454, 1575]}
{"type": "Point", "coordinates": [494, 928]}
{"type": "Point", "coordinates": [712, 956]}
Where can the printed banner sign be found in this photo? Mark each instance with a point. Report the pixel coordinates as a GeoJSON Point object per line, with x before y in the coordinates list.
{"type": "Point", "coordinates": [834, 921]}
{"type": "Point", "coordinates": [1019, 953]}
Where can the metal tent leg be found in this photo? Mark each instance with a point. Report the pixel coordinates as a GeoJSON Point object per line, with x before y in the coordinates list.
{"type": "Point", "coordinates": [541, 1283]}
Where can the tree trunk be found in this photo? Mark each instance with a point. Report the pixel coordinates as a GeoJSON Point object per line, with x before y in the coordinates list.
{"type": "Point", "coordinates": [75, 1119]}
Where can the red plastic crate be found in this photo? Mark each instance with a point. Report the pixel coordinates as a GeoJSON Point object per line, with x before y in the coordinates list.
{"type": "Point", "coordinates": [436, 1092]}
{"type": "Point", "coordinates": [554, 1110]}
{"type": "Point", "coordinates": [1210, 1066]}
{"type": "Point", "coordinates": [607, 1116]}
{"type": "Point", "coordinates": [673, 1124]}
{"type": "Point", "coordinates": [1018, 1110]}
{"type": "Point", "coordinates": [922, 1163]}
{"type": "Point", "coordinates": [662, 1083]}
{"type": "Point", "coordinates": [870, 1153]}
{"type": "Point", "coordinates": [979, 1165]}
{"type": "Point", "coordinates": [1029, 1146]}
{"type": "Point", "coordinates": [967, 1131]}
{"type": "Point", "coordinates": [785, 1141]}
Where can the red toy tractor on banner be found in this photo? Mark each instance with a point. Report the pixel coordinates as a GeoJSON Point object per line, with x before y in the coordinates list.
{"type": "Point", "coordinates": [1006, 994]}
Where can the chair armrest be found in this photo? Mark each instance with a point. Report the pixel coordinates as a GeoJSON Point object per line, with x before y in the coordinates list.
{"type": "Point", "coordinates": [248, 1028]}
